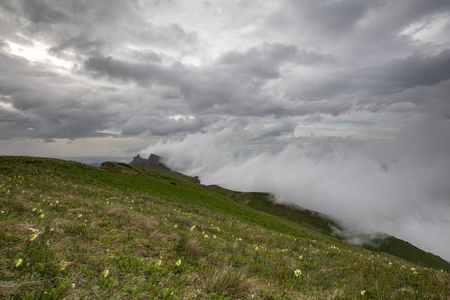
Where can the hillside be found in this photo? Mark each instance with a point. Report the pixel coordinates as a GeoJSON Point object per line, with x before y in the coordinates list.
{"type": "Point", "coordinates": [316, 221]}
{"type": "Point", "coordinates": [263, 202]}
{"type": "Point", "coordinates": [313, 220]}
{"type": "Point", "coordinates": [75, 231]}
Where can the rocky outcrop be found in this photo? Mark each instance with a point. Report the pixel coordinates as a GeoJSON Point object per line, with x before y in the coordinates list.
{"type": "Point", "coordinates": [153, 160]}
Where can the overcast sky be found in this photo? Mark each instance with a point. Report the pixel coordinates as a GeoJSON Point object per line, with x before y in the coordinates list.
{"type": "Point", "coordinates": [348, 84]}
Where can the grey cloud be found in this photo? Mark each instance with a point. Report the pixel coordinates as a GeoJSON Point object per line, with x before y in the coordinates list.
{"type": "Point", "coordinates": [46, 105]}
{"type": "Point", "coordinates": [358, 32]}
{"type": "Point", "coordinates": [327, 18]}
{"type": "Point", "coordinates": [333, 16]}
{"type": "Point", "coordinates": [206, 90]}
{"type": "Point", "coordinates": [54, 12]}
{"type": "Point", "coordinates": [417, 70]}
{"type": "Point", "coordinates": [266, 134]}
{"type": "Point", "coordinates": [328, 85]}
{"type": "Point", "coordinates": [81, 44]}
{"type": "Point", "coordinates": [265, 61]}
{"type": "Point", "coordinates": [378, 85]}
{"type": "Point", "coordinates": [407, 80]}
{"type": "Point", "coordinates": [143, 74]}
{"type": "Point", "coordinates": [93, 27]}
{"type": "Point", "coordinates": [171, 35]}
{"type": "Point", "coordinates": [161, 126]}
{"type": "Point", "coordinates": [333, 107]}
{"type": "Point", "coordinates": [147, 56]}
{"type": "Point", "coordinates": [240, 82]}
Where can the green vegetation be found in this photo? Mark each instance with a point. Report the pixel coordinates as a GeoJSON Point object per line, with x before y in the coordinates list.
{"type": "Point", "coordinates": [316, 221]}
{"type": "Point", "coordinates": [263, 202]}
{"type": "Point", "coordinates": [162, 168]}
{"type": "Point", "coordinates": [74, 231]}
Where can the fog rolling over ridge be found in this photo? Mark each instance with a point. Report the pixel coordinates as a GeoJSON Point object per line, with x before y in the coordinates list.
{"type": "Point", "coordinates": [399, 187]}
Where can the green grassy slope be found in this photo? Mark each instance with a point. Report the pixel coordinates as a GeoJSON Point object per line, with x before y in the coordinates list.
{"type": "Point", "coordinates": [409, 252]}
{"type": "Point", "coordinates": [390, 245]}
{"type": "Point", "coordinates": [263, 202]}
{"type": "Point", "coordinates": [74, 231]}
{"type": "Point", "coordinates": [164, 169]}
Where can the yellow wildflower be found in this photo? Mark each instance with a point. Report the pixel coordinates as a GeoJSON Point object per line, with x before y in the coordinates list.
{"type": "Point", "coordinates": [80, 215]}
{"type": "Point", "coordinates": [33, 237]}
{"type": "Point", "coordinates": [297, 272]}
{"type": "Point", "coordinates": [159, 262]}
{"type": "Point", "coordinates": [62, 265]}
{"type": "Point", "coordinates": [105, 273]}
{"type": "Point", "coordinates": [363, 292]}
{"type": "Point", "coordinates": [178, 262]}
{"type": "Point", "coordinates": [192, 228]}
{"type": "Point", "coordinates": [18, 262]}
{"type": "Point", "coordinates": [41, 216]}
{"type": "Point", "coordinates": [33, 209]}
{"type": "Point", "coordinates": [300, 257]}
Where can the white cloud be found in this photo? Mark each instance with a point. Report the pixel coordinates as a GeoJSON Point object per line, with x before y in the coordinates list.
{"type": "Point", "coordinates": [399, 191]}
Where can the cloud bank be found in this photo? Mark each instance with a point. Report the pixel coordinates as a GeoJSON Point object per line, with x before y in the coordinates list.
{"type": "Point", "coordinates": [385, 188]}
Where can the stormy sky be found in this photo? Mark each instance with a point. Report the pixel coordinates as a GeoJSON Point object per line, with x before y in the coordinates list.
{"type": "Point", "coordinates": [338, 106]}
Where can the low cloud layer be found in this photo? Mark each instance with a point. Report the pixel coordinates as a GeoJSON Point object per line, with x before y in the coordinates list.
{"type": "Point", "coordinates": [367, 188]}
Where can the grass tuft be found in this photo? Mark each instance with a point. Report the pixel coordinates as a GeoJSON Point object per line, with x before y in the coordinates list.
{"type": "Point", "coordinates": [228, 281]}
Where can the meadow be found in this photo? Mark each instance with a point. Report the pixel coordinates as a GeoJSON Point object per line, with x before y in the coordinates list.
{"type": "Point", "coordinates": [74, 231]}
